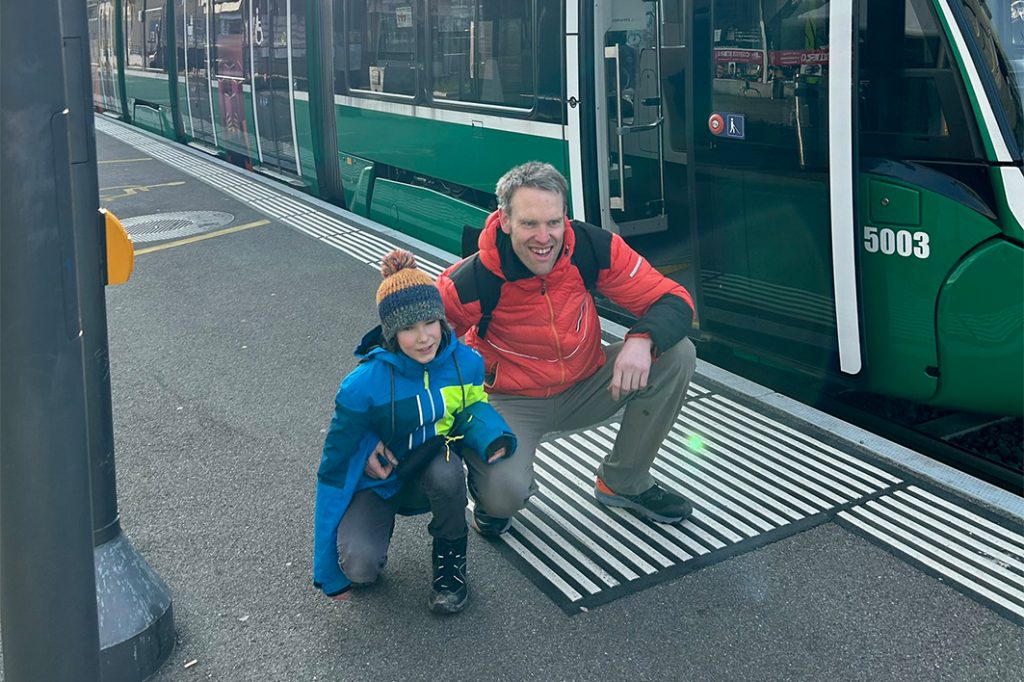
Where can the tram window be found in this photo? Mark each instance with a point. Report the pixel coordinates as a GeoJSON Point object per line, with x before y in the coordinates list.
{"type": "Point", "coordinates": [482, 51]}
{"type": "Point", "coordinates": [999, 33]}
{"type": "Point", "coordinates": [134, 35]}
{"type": "Point", "coordinates": [772, 65]}
{"type": "Point", "coordinates": [156, 47]}
{"type": "Point", "coordinates": [300, 66]}
{"type": "Point", "coordinates": [382, 46]}
{"type": "Point", "coordinates": [229, 39]}
{"type": "Point", "coordinates": [912, 104]}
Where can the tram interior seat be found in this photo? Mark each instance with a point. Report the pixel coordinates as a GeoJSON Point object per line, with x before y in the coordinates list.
{"type": "Point", "coordinates": [399, 77]}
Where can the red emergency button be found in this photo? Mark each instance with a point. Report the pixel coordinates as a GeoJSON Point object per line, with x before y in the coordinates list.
{"type": "Point", "coordinates": [716, 124]}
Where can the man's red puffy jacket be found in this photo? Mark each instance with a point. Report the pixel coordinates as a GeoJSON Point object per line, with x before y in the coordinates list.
{"type": "Point", "coordinates": [544, 334]}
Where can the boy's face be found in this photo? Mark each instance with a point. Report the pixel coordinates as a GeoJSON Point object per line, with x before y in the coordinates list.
{"type": "Point", "coordinates": [420, 341]}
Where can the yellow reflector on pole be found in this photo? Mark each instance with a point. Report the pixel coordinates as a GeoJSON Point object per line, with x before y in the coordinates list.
{"type": "Point", "coordinates": [120, 252]}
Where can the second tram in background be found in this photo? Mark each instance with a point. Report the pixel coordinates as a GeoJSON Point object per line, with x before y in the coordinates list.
{"type": "Point", "coordinates": [839, 183]}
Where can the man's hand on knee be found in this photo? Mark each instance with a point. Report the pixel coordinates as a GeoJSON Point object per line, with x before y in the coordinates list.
{"type": "Point", "coordinates": [632, 367]}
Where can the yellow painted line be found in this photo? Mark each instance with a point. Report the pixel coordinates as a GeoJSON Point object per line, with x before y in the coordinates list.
{"type": "Point", "coordinates": [201, 237]}
{"type": "Point", "coordinates": [132, 190]}
{"type": "Point", "coordinates": [145, 158]}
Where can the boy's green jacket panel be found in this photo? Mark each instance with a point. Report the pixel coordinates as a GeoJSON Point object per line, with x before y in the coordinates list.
{"type": "Point", "coordinates": [391, 398]}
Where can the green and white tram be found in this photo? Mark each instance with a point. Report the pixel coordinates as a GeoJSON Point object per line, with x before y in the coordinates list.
{"type": "Point", "coordinates": [838, 182]}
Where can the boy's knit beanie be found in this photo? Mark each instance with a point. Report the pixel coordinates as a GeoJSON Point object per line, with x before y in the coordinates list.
{"type": "Point", "coordinates": [407, 295]}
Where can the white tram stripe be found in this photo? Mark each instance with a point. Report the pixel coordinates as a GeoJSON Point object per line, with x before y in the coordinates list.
{"type": "Point", "coordinates": [700, 509]}
{"type": "Point", "coordinates": [759, 492]}
{"type": "Point", "coordinates": [706, 468]}
{"type": "Point", "coordinates": [369, 253]}
{"type": "Point", "coordinates": [342, 243]}
{"type": "Point", "coordinates": [922, 505]}
{"type": "Point", "coordinates": [557, 559]}
{"type": "Point", "coordinates": [674, 533]}
{"type": "Point", "coordinates": [605, 529]}
{"type": "Point", "coordinates": [541, 568]}
{"type": "Point", "coordinates": [936, 559]}
{"type": "Point", "coordinates": [1013, 539]}
{"type": "Point", "coordinates": [745, 463]}
{"type": "Point", "coordinates": [812, 454]}
{"type": "Point", "coordinates": [677, 479]}
{"type": "Point", "coordinates": [576, 531]}
{"type": "Point", "coordinates": [763, 449]}
{"type": "Point", "coordinates": [898, 515]}
{"type": "Point", "coordinates": [554, 536]}
{"type": "Point", "coordinates": [593, 507]}
{"type": "Point", "coordinates": [312, 225]}
{"type": "Point", "coordinates": [245, 193]}
{"type": "Point", "coordinates": [874, 476]}
{"type": "Point", "coordinates": [281, 207]}
{"type": "Point", "coordinates": [787, 466]}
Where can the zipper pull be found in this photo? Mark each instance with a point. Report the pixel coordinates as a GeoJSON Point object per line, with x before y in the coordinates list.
{"type": "Point", "coordinates": [543, 286]}
{"type": "Point", "coordinates": [426, 379]}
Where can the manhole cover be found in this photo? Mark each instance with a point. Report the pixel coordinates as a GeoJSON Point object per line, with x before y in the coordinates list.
{"type": "Point", "coordinates": [161, 226]}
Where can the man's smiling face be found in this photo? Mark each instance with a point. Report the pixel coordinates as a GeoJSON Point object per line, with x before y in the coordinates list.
{"type": "Point", "coordinates": [535, 222]}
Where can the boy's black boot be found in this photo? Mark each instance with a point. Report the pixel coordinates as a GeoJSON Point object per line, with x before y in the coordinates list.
{"type": "Point", "coordinates": [449, 591]}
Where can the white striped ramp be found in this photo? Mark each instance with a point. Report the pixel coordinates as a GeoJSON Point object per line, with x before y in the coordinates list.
{"type": "Point", "coordinates": [971, 552]}
{"type": "Point", "coordinates": [752, 479]}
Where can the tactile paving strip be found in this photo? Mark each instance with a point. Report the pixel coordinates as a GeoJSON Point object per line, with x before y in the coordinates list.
{"type": "Point", "coordinates": [751, 479]}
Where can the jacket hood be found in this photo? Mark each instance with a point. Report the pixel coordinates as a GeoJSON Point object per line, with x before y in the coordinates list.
{"type": "Point", "coordinates": [371, 347]}
{"type": "Point", "coordinates": [498, 256]}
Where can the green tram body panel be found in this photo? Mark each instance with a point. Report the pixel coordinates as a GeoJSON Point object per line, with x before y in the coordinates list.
{"type": "Point", "coordinates": [981, 330]}
{"type": "Point", "coordinates": [910, 245]}
{"type": "Point", "coordinates": [428, 215]}
{"type": "Point", "coordinates": [470, 156]}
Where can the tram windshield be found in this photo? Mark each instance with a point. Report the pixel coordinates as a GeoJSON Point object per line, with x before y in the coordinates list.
{"type": "Point", "coordinates": [998, 28]}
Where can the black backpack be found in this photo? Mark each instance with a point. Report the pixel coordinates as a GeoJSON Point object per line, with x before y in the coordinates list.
{"type": "Point", "coordinates": [584, 257]}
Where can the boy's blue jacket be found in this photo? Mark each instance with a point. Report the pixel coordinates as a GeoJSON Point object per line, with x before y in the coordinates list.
{"type": "Point", "coordinates": [392, 398]}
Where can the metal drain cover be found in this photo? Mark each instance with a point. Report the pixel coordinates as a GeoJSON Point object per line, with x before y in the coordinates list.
{"type": "Point", "coordinates": [161, 226]}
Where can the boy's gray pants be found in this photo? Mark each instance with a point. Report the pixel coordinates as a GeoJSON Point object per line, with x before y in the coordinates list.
{"type": "Point", "coordinates": [504, 487]}
{"type": "Point", "coordinates": [364, 534]}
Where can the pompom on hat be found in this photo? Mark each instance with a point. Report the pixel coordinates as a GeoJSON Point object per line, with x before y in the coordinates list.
{"type": "Point", "coordinates": [407, 295]}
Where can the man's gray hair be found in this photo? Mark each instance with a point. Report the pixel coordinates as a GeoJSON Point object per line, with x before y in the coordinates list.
{"type": "Point", "coordinates": [533, 174]}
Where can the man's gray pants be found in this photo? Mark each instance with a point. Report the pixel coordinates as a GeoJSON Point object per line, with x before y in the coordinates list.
{"type": "Point", "coordinates": [504, 487]}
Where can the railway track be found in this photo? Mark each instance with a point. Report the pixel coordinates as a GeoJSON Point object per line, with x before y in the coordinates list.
{"type": "Point", "coordinates": [988, 447]}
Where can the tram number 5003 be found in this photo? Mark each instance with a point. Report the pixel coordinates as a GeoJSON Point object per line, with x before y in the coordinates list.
{"type": "Point", "coordinates": [901, 242]}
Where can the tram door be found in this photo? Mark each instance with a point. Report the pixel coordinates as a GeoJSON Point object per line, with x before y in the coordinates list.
{"type": "Point", "coordinates": [272, 97]}
{"type": "Point", "coordinates": [761, 176]}
{"type": "Point", "coordinates": [195, 61]}
{"type": "Point", "coordinates": [631, 164]}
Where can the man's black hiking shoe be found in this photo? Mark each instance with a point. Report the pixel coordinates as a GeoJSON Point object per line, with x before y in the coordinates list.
{"type": "Point", "coordinates": [655, 503]}
{"type": "Point", "coordinates": [449, 591]}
